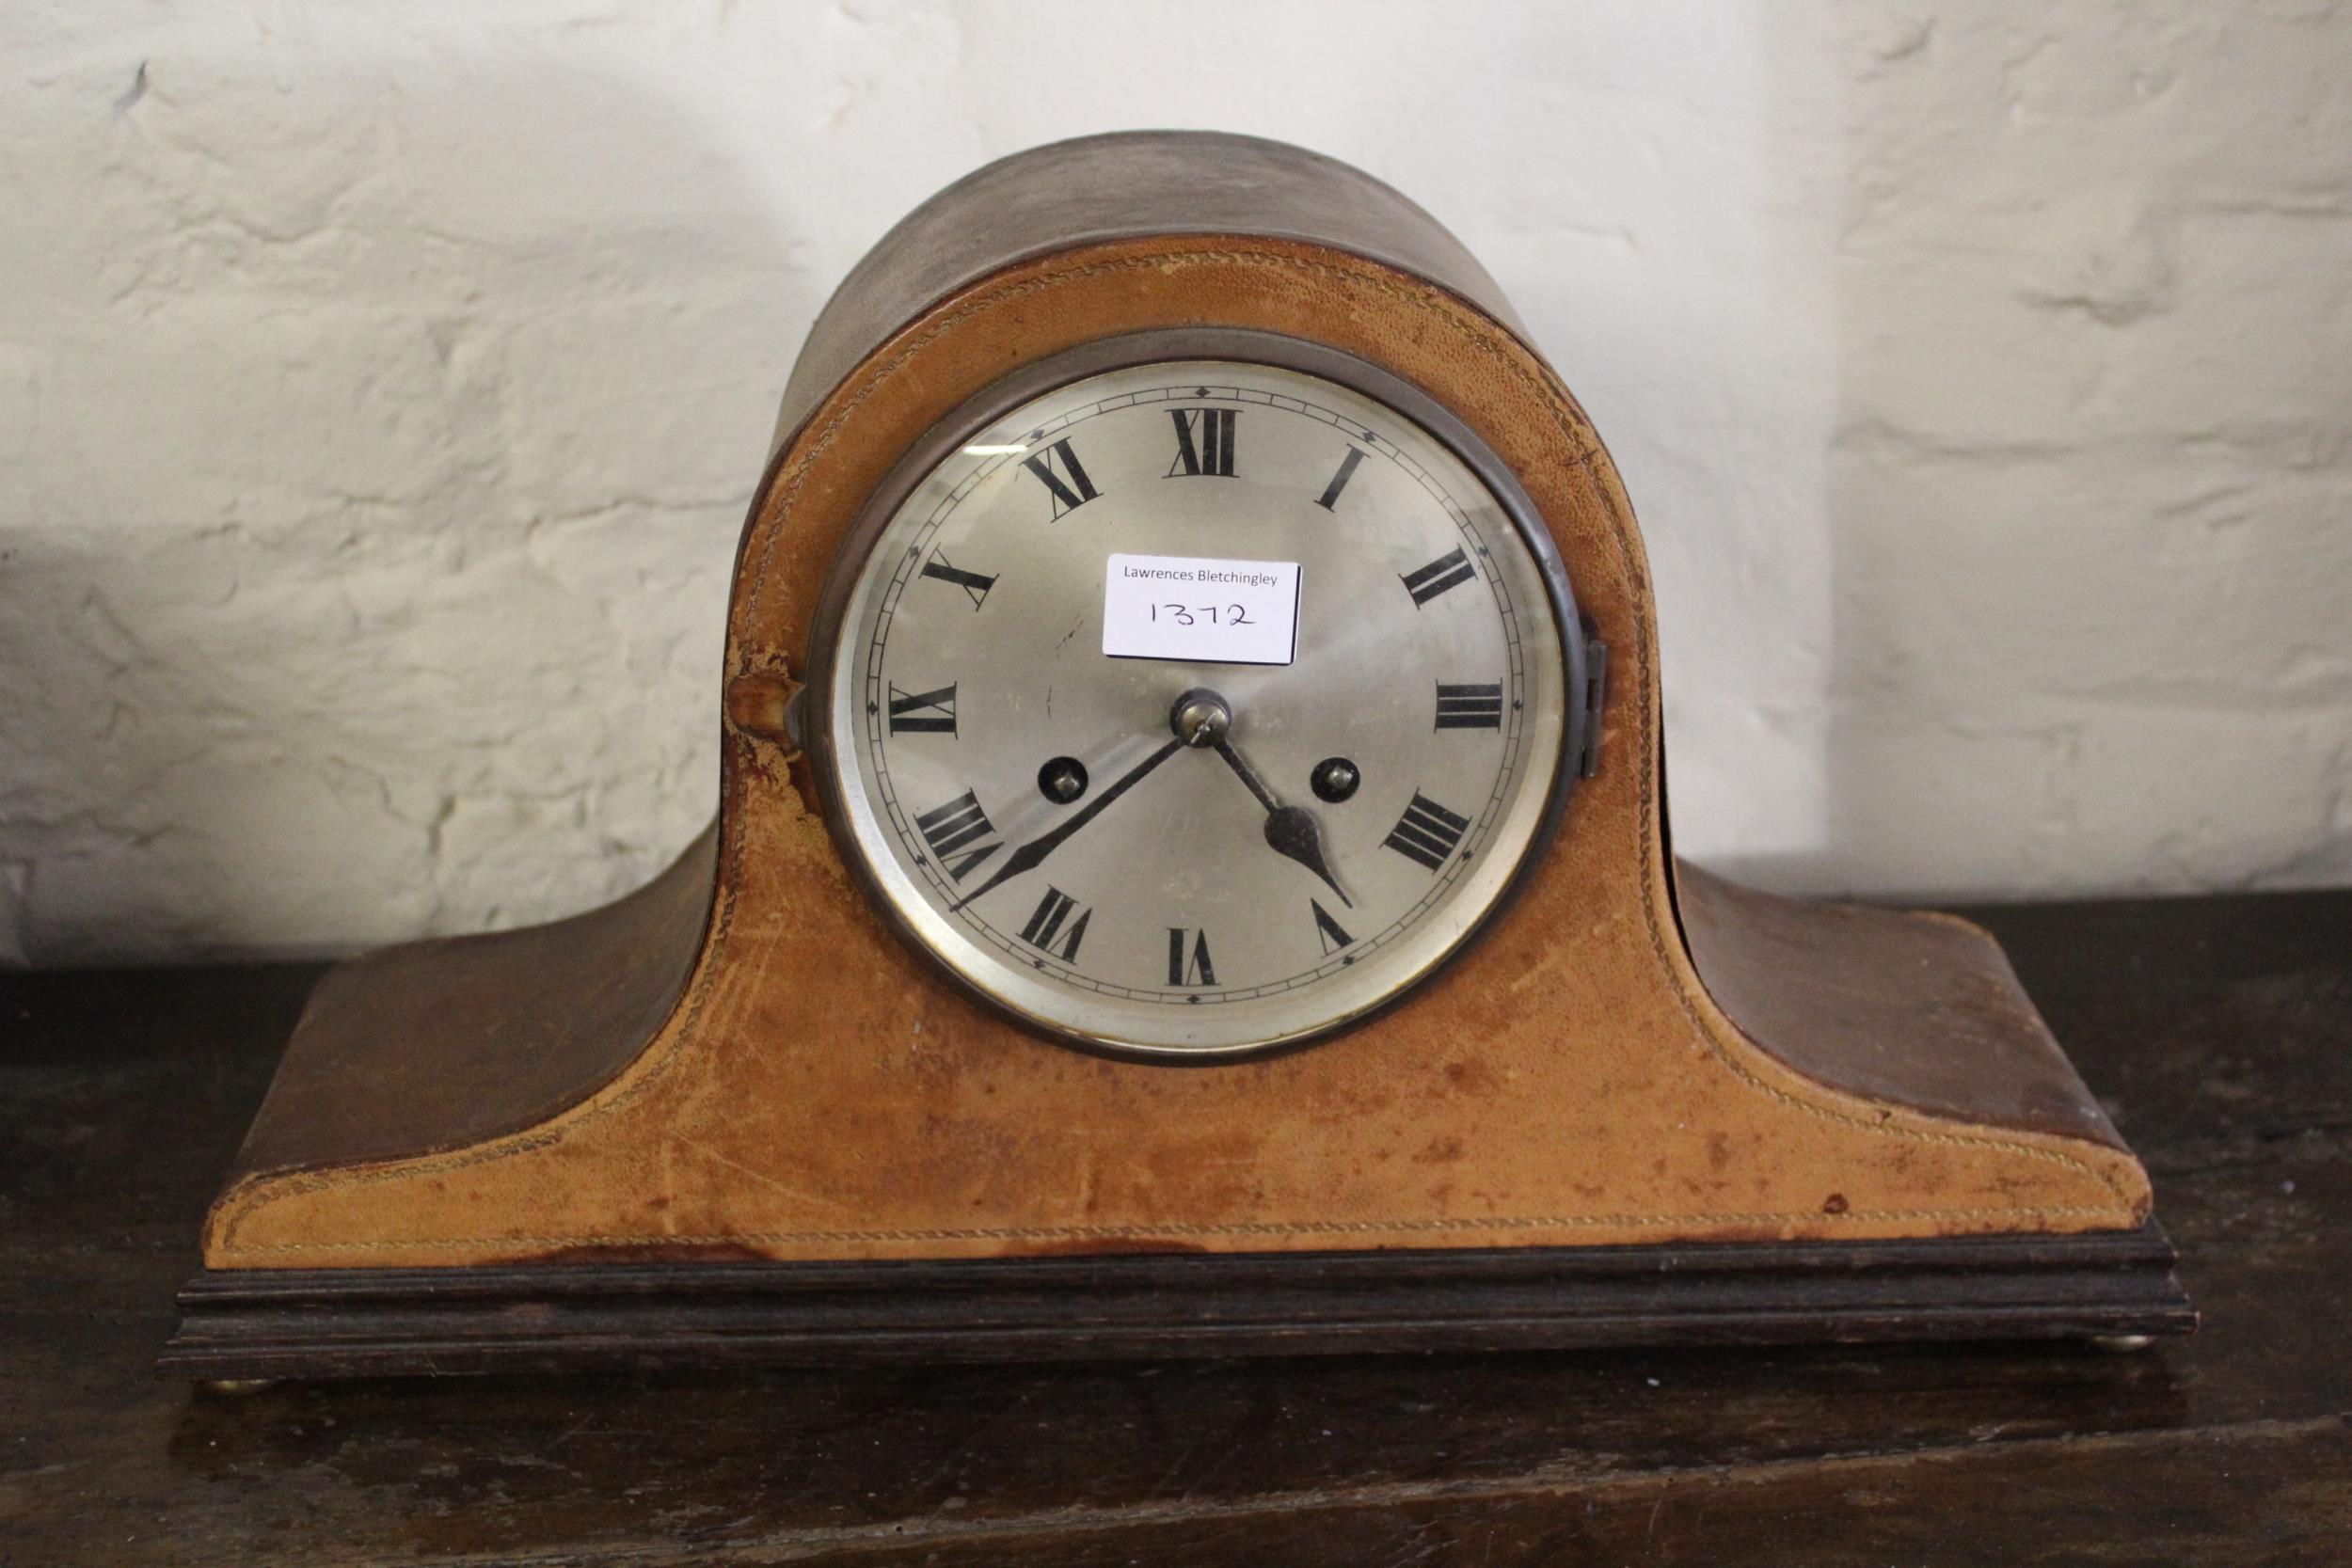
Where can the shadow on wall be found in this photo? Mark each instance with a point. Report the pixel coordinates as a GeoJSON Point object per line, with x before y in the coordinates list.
{"type": "Point", "coordinates": [364, 552]}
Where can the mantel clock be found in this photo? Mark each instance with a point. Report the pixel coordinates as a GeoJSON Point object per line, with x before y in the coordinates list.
{"type": "Point", "coordinates": [1191, 877]}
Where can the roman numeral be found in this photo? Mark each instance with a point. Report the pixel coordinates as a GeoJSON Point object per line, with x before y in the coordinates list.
{"type": "Point", "coordinates": [1045, 923]}
{"type": "Point", "coordinates": [1204, 441]}
{"type": "Point", "coordinates": [923, 712]}
{"type": "Point", "coordinates": [975, 586]}
{"type": "Point", "coordinates": [1329, 499]}
{"type": "Point", "coordinates": [1327, 930]}
{"type": "Point", "coordinates": [1198, 970]}
{"type": "Point", "coordinates": [1427, 833]}
{"type": "Point", "coordinates": [1070, 488]}
{"type": "Point", "coordinates": [954, 831]}
{"type": "Point", "coordinates": [1469, 707]}
{"type": "Point", "coordinates": [1450, 570]}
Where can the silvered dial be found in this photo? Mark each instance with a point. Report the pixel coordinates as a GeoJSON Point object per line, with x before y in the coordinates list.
{"type": "Point", "coordinates": [1194, 856]}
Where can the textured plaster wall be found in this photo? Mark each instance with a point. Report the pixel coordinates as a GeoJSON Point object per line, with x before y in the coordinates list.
{"type": "Point", "coordinates": [381, 386]}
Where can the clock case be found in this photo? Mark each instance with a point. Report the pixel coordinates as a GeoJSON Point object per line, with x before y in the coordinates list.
{"type": "Point", "coordinates": [732, 1118]}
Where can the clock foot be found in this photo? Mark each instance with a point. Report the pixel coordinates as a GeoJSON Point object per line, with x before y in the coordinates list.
{"type": "Point", "coordinates": [237, 1387]}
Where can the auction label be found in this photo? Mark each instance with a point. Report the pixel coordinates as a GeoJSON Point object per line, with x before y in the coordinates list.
{"type": "Point", "coordinates": [1209, 612]}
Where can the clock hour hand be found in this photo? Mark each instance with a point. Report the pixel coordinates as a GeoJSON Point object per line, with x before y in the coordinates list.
{"type": "Point", "coordinates": [1289, 830]}
{"type": "Point", "coordinates": [1029, 855]}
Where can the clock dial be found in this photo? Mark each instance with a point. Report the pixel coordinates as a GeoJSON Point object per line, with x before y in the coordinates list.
{"type": "Point", "coordinates": [1197, 707]}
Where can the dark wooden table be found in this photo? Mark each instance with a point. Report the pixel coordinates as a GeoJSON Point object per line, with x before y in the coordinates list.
{"type": "Point", "coordinates": [2218, 1032]}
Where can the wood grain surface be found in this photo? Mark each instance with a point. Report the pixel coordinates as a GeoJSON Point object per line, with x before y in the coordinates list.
{"type": "Point", "coordinates": [2214, 1030]}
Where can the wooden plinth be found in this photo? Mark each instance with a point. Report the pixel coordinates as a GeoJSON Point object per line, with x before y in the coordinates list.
{"type": "Point", "coordinates": [337, 1322]}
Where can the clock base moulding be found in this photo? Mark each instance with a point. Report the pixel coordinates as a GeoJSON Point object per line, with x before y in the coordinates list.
{"type": "Point", "coordinates": [370, 1323]}
{"type": "Point", "coordinates": [732, 1116]}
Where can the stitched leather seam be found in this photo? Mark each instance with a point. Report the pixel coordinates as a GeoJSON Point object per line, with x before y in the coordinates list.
{"type": "Point", "coordinates": [1474, 329]}
{"type": "Point", "coordinates": [1114, 1232]}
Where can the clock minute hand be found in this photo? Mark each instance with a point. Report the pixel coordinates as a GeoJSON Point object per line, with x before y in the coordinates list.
{"type": "Point", "coordinates": [1289, 830]}
{"type": "Point", "coordinates": [1029, 854]}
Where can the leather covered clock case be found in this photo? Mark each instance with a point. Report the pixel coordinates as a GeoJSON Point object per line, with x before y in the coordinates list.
{"type": "Point", "coordinates": [740, 1068]}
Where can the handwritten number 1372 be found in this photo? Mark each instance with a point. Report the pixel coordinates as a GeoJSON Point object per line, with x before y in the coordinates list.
{"type": "Point", "coordinates": [1184, 615]}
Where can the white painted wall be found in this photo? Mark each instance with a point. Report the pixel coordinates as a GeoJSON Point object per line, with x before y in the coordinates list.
{"type": "Point", "coordinates": [382, 384]}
